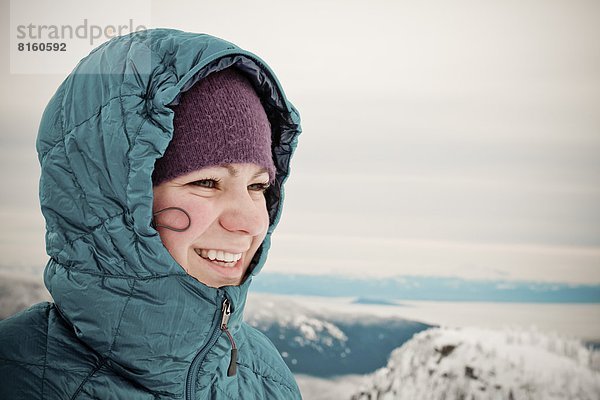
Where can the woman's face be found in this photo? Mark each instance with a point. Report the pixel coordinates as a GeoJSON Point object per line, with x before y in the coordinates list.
{"type": "Point", "coordinates": [229, 220]}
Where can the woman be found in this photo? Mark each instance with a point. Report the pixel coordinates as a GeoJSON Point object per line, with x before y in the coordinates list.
{"type": "Point", "coordinates": [163, 157]}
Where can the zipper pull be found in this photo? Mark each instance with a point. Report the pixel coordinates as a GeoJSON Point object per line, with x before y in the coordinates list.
{"type": "Point", "coordinates": [225, 313]}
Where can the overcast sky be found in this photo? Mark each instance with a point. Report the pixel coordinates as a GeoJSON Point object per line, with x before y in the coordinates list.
{"type": "Point", "coordinates": [440, 138]}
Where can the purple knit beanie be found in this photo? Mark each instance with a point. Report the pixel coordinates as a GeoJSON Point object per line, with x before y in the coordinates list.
{"type": "Point", "coordinates": [219, 120]}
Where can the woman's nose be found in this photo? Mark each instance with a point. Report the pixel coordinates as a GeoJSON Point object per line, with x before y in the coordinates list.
{"type": "Point", "coordinates": [242, 213]}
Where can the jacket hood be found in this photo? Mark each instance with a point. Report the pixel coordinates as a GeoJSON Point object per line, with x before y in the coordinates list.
{"type": "Point", "coordinates": [109, 274]}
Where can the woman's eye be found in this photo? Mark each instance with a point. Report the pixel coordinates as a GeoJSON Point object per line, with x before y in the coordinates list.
{"type": "Point", "coordinates": [206, 183]}
{"type": "Point", "coordinates": [261, 187]}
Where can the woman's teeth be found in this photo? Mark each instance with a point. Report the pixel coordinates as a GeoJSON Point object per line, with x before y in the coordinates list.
{"type": "Point", "coordinates": [229, 259]}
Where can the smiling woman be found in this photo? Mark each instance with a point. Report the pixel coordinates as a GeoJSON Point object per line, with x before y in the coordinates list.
{"type": "Point", "coordinates": [225, 222]}
{"type": "Point", "coordinates": [218, 122]}
{"type": "Point", "coordinates": [160, 192]}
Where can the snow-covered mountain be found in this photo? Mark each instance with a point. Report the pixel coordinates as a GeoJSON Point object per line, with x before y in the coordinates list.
{"type": "Point", "coordinates": [323, 343]}
{"type": "Point", "coordinates": [481, 364]}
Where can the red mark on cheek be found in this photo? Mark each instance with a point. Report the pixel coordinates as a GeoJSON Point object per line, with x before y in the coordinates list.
{"type": "Point", "coordinates": [173, 218]}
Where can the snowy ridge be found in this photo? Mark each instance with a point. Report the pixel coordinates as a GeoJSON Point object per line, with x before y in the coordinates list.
{"type": "Point", "coordinates": [310, 330]}
{"type": "Point", "coordinates": [319, 341]}
{"type": "Point", "coordinates": [481, 364]}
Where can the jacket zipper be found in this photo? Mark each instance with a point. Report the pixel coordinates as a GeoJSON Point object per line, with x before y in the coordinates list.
{"type": "Point", "coordinates": [225, 312]}
{"type": "Point", "coordinates": [197, 361]}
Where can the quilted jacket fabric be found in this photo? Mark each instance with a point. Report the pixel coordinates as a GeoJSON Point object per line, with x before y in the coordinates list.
{"type": "Point", "coordinates": [127, 322]}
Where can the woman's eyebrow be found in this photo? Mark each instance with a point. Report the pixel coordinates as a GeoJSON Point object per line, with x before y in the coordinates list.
{"type": "Point", "coordinates": [234, 172]}
{"type": "Point", "coordinates": [260, 172]}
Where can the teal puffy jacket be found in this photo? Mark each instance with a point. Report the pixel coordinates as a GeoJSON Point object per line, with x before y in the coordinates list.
{"type": "Point", "coordinates": [127, 322]}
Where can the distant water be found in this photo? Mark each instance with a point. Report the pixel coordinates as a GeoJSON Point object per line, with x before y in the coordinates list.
{"type": "Point", "coordinates": [580, 321]}
{"type": "Point", "coordinates": [435, 288]}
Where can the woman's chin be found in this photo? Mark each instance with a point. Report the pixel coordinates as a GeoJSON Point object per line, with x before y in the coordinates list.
{"type": "Point", "coordinates": [216, 274]}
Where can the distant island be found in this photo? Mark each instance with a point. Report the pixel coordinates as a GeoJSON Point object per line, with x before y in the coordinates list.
{"type": "Point", "coordinates": [374, 301]}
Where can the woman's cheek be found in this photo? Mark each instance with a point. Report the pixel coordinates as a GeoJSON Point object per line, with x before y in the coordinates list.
{"type": "Point", "coordinates": [202, 215]}
{"type": "Point", "coordinates": [171, 214]}
{"type": "Point", "coordinates": [173, 218]}
{"type": "Point", "coordinates": [170, 241]}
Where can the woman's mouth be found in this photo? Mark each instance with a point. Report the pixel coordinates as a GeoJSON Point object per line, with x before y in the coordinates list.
{"type": "Point", "coordinates": [219, 257]}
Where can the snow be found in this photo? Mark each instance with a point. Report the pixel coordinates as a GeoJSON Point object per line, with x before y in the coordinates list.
{"type": "Point", "coordinates": [480, 364]}
{"type": "Point", "coordinates": [265, 311]}
{"type": "Point", "coordinates": [313, 388]}
{"type": "Point", "coordinates": [312, 329]}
